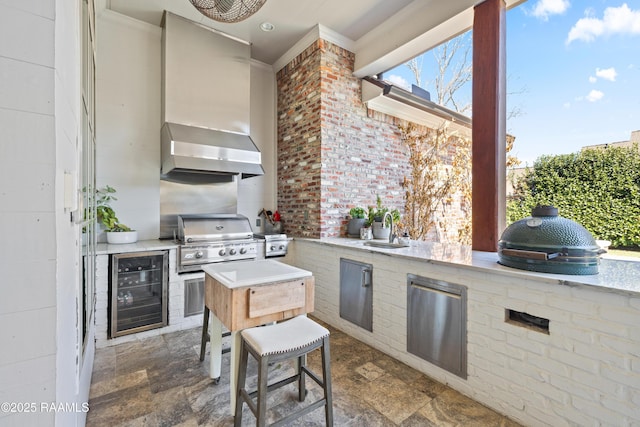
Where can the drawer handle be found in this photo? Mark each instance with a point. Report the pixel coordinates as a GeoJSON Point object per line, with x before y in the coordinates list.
{"type": "Point", "coordinates": [452, 294]}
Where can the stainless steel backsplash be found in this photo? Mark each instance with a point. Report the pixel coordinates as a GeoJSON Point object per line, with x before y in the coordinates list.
{"type": "Point", "coordinates": [178, 198]}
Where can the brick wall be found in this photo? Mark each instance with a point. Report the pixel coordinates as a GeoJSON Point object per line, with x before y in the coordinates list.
{"type": "Point", "coordinates": [333, 154]}
{"type": "Point", "coordinates": [299, 144]}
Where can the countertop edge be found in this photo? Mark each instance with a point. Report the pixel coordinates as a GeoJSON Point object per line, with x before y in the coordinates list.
{"type": "Point", "coordinates": [139, 246]}
{"type": "Point", "coordinates": [612, 277]}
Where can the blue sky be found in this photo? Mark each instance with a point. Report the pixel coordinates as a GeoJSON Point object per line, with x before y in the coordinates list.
{"type": "Point", "coordinates": [573, 70]}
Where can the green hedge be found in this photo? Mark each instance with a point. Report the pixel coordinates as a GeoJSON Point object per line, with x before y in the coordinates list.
{"type": "Point", "coordinates": [598, 188]}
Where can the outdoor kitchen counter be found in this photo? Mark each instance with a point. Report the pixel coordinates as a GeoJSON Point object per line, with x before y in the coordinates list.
{"type": "Point", "coordinates": [576, 364]}
{"type": "Point", "coordinates": [614, 274]}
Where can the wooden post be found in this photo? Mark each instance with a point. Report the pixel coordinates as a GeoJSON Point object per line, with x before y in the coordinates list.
{"type": "Point", "coordinates": [489, 125]}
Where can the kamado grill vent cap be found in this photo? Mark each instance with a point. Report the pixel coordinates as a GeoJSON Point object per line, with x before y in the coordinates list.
{"type": "Point", "coordinates": [544, 210]}
{"type": "Point", "coordinates": [548, 243]}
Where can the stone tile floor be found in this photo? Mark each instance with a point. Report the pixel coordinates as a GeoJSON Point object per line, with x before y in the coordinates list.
{"type": "Point", "coordinates": [160, 381]}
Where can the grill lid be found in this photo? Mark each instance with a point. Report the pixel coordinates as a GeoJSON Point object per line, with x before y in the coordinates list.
{"type": "Point", "coordinates": [548, 243]}
{"type": "Point", "coordinates": [213, 228]}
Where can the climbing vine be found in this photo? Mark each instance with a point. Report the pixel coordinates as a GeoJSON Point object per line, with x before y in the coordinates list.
{"type": "Point", "coordinates": [440, 172]}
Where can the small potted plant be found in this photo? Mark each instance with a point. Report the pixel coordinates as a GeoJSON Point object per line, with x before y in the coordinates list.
{"type": "Point", "coordinates": [116, 231]}
{"type": "Point", "coordinates": [358, 220]}
{"type": "Point", "coordinates": [376, 216]}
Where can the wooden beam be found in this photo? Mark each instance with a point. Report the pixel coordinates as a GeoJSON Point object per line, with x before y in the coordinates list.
{"type": "Point", "coordinates": [489, 125]}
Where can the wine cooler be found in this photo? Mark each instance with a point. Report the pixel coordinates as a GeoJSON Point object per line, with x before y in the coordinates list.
{"type": "Point", "coordinates": [138, 292]}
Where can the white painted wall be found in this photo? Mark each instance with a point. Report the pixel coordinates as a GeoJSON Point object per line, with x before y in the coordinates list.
{"type": "Point", "coordinates": [40, 358]}
{"type": "Point", "coordinates": [261, 191]}
{"type": "Point", "coordinates": [129, 120]}
{"type": "Point", "coordinates": [586, 371]}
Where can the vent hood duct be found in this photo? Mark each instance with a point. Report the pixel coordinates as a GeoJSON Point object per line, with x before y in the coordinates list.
{"type": "Point", "coordinates": [205, 105]}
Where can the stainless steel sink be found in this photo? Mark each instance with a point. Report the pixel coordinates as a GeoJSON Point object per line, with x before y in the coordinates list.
{"type": "Point", "coordinates": [385, 244]}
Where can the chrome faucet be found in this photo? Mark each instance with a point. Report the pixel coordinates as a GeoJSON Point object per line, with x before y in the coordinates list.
{"type": "Point", "coordinates": [392, 235]}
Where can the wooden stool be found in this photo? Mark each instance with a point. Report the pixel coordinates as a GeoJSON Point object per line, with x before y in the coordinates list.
{"type": "Point", "coordinates": [287, 340]}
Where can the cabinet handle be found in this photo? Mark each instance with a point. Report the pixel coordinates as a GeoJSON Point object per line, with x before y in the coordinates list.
{"type": "Point", "coordinates": [365, 272]}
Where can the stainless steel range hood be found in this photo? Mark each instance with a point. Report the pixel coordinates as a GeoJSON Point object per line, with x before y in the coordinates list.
{"type": "Point", "coordinates": [205, 104]}
{"type": "Point", "coordinates": [190, 149]}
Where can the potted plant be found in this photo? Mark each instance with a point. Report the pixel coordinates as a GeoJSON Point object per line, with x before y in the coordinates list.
{"type": "Point", "coordinates": [116, 231]}
{"type": "Point", "coordinates": [358, 220]}
{"type": "Point", "coordinates": [376, 215]}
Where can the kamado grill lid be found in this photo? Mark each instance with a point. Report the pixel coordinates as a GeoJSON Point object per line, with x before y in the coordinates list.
{"type": "Point", "coordinates": [548, 243]}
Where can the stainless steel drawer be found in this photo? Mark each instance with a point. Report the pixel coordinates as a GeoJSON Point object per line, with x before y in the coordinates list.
{"type": "Point", "coordinates": [437, 323]}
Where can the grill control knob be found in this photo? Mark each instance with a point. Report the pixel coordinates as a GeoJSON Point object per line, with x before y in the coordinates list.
{"type": "Point", "coordinates": [222, 252]}
{"type": "Point", "coordinates": [272, 248]}
{"type": "Point", "coordinates": [281, 247]}
{"type": "Point", "coordinates": [243, 251]}
{"type": "Point", "coordinates": [199, 254]}
{"type": "Point", "coordinates": [232, 252]}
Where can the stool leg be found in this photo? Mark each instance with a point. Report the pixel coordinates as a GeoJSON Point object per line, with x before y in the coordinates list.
{"type": "Point", "coordinates": [205, 333]}
{"type": "Point", "coordinates": [242, 376]}
{"type": "Point", "coordinates": [326, 379]}
{"type": "Point", "coordinates": [263, 374]}
{"type": "Point", "coordinates": [302, 390]}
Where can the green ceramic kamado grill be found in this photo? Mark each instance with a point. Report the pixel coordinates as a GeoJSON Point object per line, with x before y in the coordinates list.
{"type": "Point", "coordinates": [548, 243]}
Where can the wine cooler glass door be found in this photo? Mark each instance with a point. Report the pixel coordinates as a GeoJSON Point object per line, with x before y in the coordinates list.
{"type": "Point", "coordinates": [138, 289]}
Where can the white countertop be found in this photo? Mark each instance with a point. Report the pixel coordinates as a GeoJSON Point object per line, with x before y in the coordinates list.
{"type": "Point", "coordinates": [614, 274]}
{"type": "Point", "coordinates": [247, 273]}
{"type": "Point", "coordinates": [139, 246]}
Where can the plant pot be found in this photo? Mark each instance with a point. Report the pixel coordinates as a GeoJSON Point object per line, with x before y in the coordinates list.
{"type": "Point", "coordinates": [379, 231]}
{"type": "Point", "coordinates": [121, 237]}
{"type": "Point", "coordinates": [354, 225]}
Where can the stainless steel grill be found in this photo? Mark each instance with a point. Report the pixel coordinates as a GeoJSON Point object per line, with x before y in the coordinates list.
{"type": "Point", "coordinates": [209, 238]}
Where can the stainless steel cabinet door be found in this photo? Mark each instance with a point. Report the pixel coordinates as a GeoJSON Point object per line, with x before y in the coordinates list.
{"type": "Point", "coordinates": [437, 323]}
{"type": "Point", "coordinates": [356, 293]}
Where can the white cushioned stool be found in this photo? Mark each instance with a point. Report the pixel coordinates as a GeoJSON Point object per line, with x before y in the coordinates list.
{"type": "Point", "coordinates": [282, 341]}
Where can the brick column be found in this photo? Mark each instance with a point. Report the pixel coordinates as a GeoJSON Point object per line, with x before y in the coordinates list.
{"type": "Point", "coordinates": [333, 154]}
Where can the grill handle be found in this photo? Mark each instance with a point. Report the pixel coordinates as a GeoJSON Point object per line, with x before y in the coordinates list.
{"type": "Point", "coordinates": [542, 256]}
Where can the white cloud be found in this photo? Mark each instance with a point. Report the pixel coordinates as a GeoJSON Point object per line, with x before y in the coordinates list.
{"type": "Point", "coordinates": [566, 105]}
{"type": "Point", "coordinates": [594, 95]}
{"type": "Point", "coordinates": [607, 74]}
{"type": "Point", "coordinates": [399, 81]}
{"type": "Point", "coordinates": [544, 8]}
{"type": "Point", "coordinates": [592, 79]}
{"type": "Point", "coordinates": [616, 20]}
